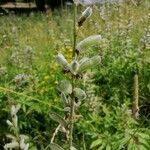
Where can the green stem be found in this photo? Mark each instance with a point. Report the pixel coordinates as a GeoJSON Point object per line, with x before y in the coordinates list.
{"type": "Point", "coordinates": [74, 30]}
{"type": "Point", "coordinates": [73, 79]}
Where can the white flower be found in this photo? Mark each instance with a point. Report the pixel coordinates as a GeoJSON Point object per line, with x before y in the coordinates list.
{"type": "Point", "coordinates": [89, 63]}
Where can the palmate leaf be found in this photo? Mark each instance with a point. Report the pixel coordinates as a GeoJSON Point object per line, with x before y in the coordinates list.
{"type": "Point", "coordinates": [58, 119]}
{"type": "Point", "coordinates": [54, 146]}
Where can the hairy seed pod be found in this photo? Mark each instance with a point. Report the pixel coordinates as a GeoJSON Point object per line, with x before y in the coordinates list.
{"type": "Point", "coordinates": [65, 87]}
{"type": "Point", "coordinates": [62, 61]}
{"type": "Point", "coordinates": [89, 41]}
{"type": "Point", "coordinates": [89, 63]}
{"type": "Point", "coordinates": [87, 13]}
{"type": "Point", "coordinates": [79, 93]}
{"type": "Point", "coordinates": [74, 67]}
{"type": "Point", "coordinates": [9, 123]}
{"type": "Point", "coordinates": [15, 120]}
{"type": "Point", "coordinates": [64, 99]}
{"type": "Point", "coordinates": [13, 145]}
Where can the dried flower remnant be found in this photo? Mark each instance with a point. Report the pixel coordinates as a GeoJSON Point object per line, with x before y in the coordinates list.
{"type": "Point", "coordinates": [21, 80]}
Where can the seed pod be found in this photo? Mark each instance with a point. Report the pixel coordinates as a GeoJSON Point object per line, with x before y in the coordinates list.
{"type": "Point", "coordinates": [62, 61]}
{"type": "Point", "coordinates": [67, 109]}
{"type": "Point", "coordinates": [13, 110]}
{"type": "Point", "coordinates": [65, 87]}
{"type": "Point", "coordinates": [74, 67]}
{"type": "Point", "coordinates": [64, 99]}
{"type": "Point", "coordinates": [89, 63]}
{"type": "Point", "coordinates": [27, 146]}
{"type": "Point", "coordinates": [15, 120]}
{"type": "Point", "coordinates": [9, 123]}
{"type": "Point", "coordinates": [13, 145]}
{"type": "Point", "coordinates": [89, 41]}
{"type": "Point", "coordinates": [22, 144]}
{"type": "Point", "coordinates": [79, 93]}
{"type": "Point", "coordinates": [18, 106]}
{"type": "Point", "coordinates": [87, 13]}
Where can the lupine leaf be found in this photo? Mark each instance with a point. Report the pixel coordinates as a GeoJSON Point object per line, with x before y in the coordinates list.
{"type": "Point", "coordinates": [58, 119]}
{"type": "Point", "coordinates": [55, 146]}
{"type": "Point", "coordinates": [96, 143]}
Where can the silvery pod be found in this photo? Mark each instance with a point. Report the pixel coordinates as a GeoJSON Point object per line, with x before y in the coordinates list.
{"type": "Point", "coordinates": [89, 41]}
{"type": "Point", "coordinates": [74, 67]}
{"type": "Point", "coordinates": [87, 13]}
{"type": "Point", "coordinates": [65, 87]}
{"type": "Point", "coordinates": [89, 63]}
{"type": "Point", "coordinates": [62, 61]}
{"type": "Point", "coordinates": [79, 93]}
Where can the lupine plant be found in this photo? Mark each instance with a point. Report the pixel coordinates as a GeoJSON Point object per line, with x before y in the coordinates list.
{"type": "Point", "coordinates": [18, 141]}
{"type": "Point", "coordinates": [70, 93]}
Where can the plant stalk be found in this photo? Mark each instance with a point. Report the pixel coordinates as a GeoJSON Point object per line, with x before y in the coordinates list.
{"type": "Point", "coordinates": [73, 79]}
{"type": "Point", "coordinates": [135, 105]}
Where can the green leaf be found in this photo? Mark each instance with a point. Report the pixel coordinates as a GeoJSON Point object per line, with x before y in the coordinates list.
{"type": "Point", "coordinates": [108, 147]}
{"type": "Point", "coordinates": [58, 119]}
{"type": "Point", "coordinates": [55, 146]}
{"type": "Point", "coordinates": [144, 135]}
{"type": "Point", "coordinates": [144, 142]}
{"type": "Point", "coordinates": [96, 143]}
{"type": "Point", "coordinates": [102, 146]}
{"type": "Point", "coordinates": [141, 147]}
